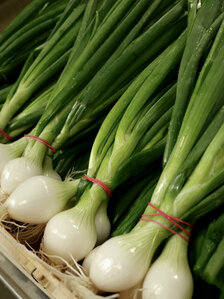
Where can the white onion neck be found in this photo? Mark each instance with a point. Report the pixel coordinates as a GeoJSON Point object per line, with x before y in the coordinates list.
{"type": "Point", "coordinates": [48, 169]}
{"type": "Point", "coordinates": [175, 252]}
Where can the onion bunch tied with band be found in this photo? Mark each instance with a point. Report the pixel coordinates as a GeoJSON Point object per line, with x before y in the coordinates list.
{"type": "Point", "coordinates": [79, 112]}
{"type": "Point", "coordinates": [193, 172]}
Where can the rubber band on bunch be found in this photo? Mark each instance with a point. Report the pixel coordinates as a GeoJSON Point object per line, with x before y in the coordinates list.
{"type": "Point", "coordinates": [99, 183]}
{"type": "Point", "coordinates": [172, 219]}
{"type": "Point", "coordinates": [3, 133]}
{"type": "Point", "coordinates": [42, 141]}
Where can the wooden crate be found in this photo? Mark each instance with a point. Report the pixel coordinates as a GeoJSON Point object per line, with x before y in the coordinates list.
{"type": "Point", "coordinates": [52, 282]}
{"type": "Point", "coordinates": [36, 270]}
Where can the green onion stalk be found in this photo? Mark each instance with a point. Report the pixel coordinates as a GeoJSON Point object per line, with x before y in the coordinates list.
{"type": "Point", "coordinates": [133, 117]}
{"type": "Point", "coordinates": [29, 117]}
{"type": "Point", "coordinates": [203, 28]}
{"type": "Point", "coordinates": [90, 100]}
{"type": "Point", "coordinates": [4, 91]}
{"type": "Point", "coordinates": [211, 241]}
{"type": "Point", "coordinates": [213, 272]}
{"type": "Point", "coordinates": [192, 12]}
{"type": "Point", "coordinates": [132, 203]}
{"type": "Point", "coordinates": [187, 137]}
{"type": "Point", "coordinates": [104, 52]}
{"type": "Point", "coordinates": [17, 47]}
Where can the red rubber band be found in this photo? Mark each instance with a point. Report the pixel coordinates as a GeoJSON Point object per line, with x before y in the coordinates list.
{"type": "Point", "coordinates": [3, 133]}
{"type": "Point", "coordinates": [171, 218]}
{"type": "Point", "coordinates": [42, 141]}
{"type": "Point", "coordinates": [168, 217]}
{"type": "Point", "coordinates": [175, 218]}
{"type": "Point", "coordinates": [100, 183]}
{"type": "Point", "coordinates": [166, 227]}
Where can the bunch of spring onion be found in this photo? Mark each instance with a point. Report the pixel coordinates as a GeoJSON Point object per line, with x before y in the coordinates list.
{"type": "Point", "coordinates": [170, 272]}
{"type": "Point", "coordinates": [179, 188]}
{"type": "Point", "coordinates": [136, 123]}
{"type": "Point", "coordinates": [135, 250]}
{"type": "Point", "coordinates": [72, 122]}
{"type": "Point", "coordinates": [176, 12]}
{"type": "Point", "coordinates": [158, 107]}
{"type": "Point", "coordinates": [170, 275]}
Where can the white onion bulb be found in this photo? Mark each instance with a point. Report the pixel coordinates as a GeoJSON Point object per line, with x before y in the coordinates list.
{"type": "Point", "coordinates": [89, 259]}
{"type": "Point", "coordinates": [71, 233]}
{"type": "Point", "coordinates": [118, 265]}
{"type": "Point", "coordinates": [16, 172]}
{"type": "Point", "coordinates": [170, 277]}
{"type": "Point", "coordinates": [122, 262]}
{"type": "Point", "coordinates": [39, 198]}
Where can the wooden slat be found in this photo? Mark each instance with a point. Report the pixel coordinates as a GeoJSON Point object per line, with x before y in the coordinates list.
{"type": "Point", "coordinates": [30, 265]}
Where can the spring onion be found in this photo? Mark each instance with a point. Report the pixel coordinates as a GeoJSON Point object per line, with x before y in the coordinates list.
{"type": "Point", "coordinates": [170, 275]}
{"type": "Point", "coordinates": [51, 192]}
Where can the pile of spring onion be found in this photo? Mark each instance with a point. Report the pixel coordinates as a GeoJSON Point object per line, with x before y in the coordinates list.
{"type": "Point", "coordinates": [112, 141]}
